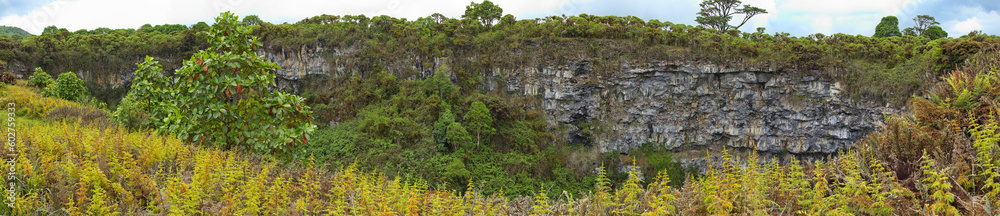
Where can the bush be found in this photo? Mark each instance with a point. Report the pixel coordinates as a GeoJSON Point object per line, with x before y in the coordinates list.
{"type": "Point", "coordinates": [40, 79]}
{"type": "Point", "coordinates": [221, 97]}
{"type": "Point", "coordinates": [8, 78]}
{"type": "Point", "coordinates": [132, 113]}
{"type": "Point", "coordinates": [67, 87]}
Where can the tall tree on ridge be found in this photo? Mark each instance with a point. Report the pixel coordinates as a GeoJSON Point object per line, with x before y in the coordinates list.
{"type": "Point", "coordinates": [716, 14]}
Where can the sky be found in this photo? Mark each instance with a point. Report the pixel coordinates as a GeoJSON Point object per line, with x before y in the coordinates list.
{"type": "Point", "coordinates": [797, 17]}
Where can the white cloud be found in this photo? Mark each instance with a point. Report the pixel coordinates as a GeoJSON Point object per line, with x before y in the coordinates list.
{"type": "Point", "coordinates": [968, 25]}
{"type": "Point", "coordinates": [91, 14]}
{"type": "Point", "coordinates": [971, 19]}
{"type": "Point", "coordinates": [803, 17]}
{"type": "Point", "coordinates": [890, 7]}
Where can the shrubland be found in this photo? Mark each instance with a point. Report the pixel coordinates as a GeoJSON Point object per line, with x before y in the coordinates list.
{"type": "Point", "coordinates": [440, 143]}
{"type": "Point", "coordinates": [938, 161]}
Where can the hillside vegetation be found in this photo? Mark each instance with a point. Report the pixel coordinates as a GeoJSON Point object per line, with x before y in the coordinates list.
{"type": "Point", "coordinates": [11, 31]}
{"type": "Point", "coordinates": [942, 160]}
{"type": "Point", "coordinates": [397, 140]}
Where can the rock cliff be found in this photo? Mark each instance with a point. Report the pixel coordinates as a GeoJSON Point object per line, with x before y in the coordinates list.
{"type": "Point", "coordinates": [687, 107]}
{"type": "Point", "coordinates": [684, 106]}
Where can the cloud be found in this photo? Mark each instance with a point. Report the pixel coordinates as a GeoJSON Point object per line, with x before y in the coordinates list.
{"type": "Point", "coordinates": [968, 25]}
{"type": "Point", "coordinates": [19, 7]}
{"type": "Point", "coordinates": [957, 17]}
{"type": "Point", "coordinates": [844, 6]}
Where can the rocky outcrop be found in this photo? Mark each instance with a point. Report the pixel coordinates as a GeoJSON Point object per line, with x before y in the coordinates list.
{"type": "Point", "coordinates": [681, 105]}
{"type": "Point", "coordinates": [684, 106]}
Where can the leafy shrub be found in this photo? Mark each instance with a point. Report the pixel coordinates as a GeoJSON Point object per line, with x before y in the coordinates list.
{"type": "Point", "coordinates": [8, 78]}
{"type": "Point", "coordinates": [40, 79]}
{"type": "Point", "coordinates": [132, 113]}
{"type": "Point", "coordinates": [220, 97]}
{"type": "Point", "coordinates": [68, 87]}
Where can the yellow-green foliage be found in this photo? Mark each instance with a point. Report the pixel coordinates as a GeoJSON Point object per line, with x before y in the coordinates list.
{"type": "Point", "coordinates": [68, 168]}
{"type": "Point", "coordinates": [986, 139]}
{"type": "Point", "coordinates": [937, 185]}
{"type": "Point", "coordinates": [629, 198]}
{"type": "Point", "coordinates": [661, 197]}
{"type": "Point", "coordinates": [541, 206]}
{"type": "Point", "coordinates": [31, 104]}
{"type": "Point", "coordinates": [65, 167]}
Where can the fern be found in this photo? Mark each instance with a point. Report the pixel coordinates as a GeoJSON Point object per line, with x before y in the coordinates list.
{"type": "Point", "coordinates": [541, 206]}
{"type": "Point", "coordinates": [602, 190]}
{"type": "Point", "coordinates": [938, 186]}
{"type": "Point", "coordinates": [628, 196]}
{"type": "Point", "coordinates": [662, 199]}
{"type": "Point", "coordinates": [986, 139]}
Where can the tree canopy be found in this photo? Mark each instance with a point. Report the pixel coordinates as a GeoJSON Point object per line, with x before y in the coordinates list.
{"type": "Point", "coordinates": [717, 14]}
{"type": "Point", "coordinates": [888, 27]}
{"type": "Point", "coordinates": [923, 25]}
{"type": "Point", "coordinates": [221, 96]}
{"type": "Point", "coordinates": [935, 32]}
{"type": "Point", "coordinates": [251, 20]}
{"type": "Point", "coordinates": [485, 12]}
{"type": "Point", "coordinates": [11, 30]}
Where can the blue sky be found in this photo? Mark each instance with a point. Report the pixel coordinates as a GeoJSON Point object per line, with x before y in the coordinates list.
{"type": "Point", "coordinates": [798, 17]}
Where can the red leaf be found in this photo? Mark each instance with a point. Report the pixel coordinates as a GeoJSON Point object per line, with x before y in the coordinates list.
{"type": "Point", "coordinates": [199, 62]}
{"type": "Point", "coordinates": [239, 89]}
{"type": "Point", "coordinates": [304, 138]}
{"type": "Point", "coordinates": [206, 68]}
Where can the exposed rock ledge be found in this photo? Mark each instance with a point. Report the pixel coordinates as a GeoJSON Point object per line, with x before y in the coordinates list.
{"type": "Point", "coordinates": [685, 106]}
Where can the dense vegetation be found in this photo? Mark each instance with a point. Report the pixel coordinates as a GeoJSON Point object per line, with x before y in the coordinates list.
{"type": "Point", "coordinates": [220, 97]}
{"type": "Point", "coordinates": [942, 160]}
{"type": "Point", "coordinates": [14, 32]}
{"type": "Point", "coordinates": [386, 115]}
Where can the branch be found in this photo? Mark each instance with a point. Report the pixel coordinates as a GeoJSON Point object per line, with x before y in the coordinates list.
{"type": "Point", "coordinates": [749, 11]}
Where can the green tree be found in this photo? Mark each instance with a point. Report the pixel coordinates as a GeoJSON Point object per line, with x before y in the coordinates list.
{"type": "Point", "coordinates": [445, 118]}
{"type": "Point", "coordinates": [221, 96]}
{"type": "Point", "coordinates": [935, 32]}
{"type": "Point", "coordinates": [456, 172]}
{"type": "Point", "coordinates": [200, 26]}
{"type": "Point", "coordinates": [12, 30]}
{"type": "Point", "coordinates": [888, 27]}
{"type": "Point", "coordinates": [458, 136]}
{"type": "Point", "coordinates": [67, 86]}
{"type": "Point", "coordinates": [146, 28]}
{"type": "Point", "coordinates": [252, 20]}
{"type": "Point", "coordinates": [485, 12]}
{"type": "Point", "coordinates": [50, 30]}
{"type": "Point", "coordinates": [40, 79]}
{"type": "Point", "coordinates": [716, 14]}
{"type": "Point", "coordinates": [479, 120]}
{"type": "Point", "coordinates": [924, 22]}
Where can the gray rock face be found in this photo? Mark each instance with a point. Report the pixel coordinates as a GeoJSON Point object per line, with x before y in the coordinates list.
{"type": "Point", "coordinates": [684, 106]}
{"type": "Point", "coordinates": [296, 64]}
